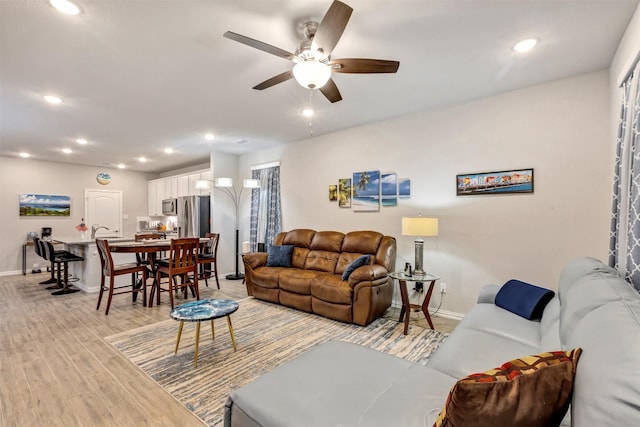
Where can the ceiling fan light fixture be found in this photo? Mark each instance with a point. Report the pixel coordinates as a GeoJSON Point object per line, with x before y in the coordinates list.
{"type": "Point", "coordinates": [311, 74]}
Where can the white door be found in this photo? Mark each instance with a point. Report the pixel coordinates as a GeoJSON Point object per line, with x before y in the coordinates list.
{"type": "Point", "coordinates": [104, 207]}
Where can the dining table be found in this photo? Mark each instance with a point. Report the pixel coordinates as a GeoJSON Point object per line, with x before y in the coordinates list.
{"type": "Point", "coordinates": [146, 246]}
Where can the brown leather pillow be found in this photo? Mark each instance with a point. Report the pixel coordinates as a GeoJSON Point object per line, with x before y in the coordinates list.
{"type": "Point", "coordinates": [527, 392]}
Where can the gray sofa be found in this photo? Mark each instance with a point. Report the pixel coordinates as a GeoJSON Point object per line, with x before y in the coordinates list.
{"type": "Point", "coordinates": [342, 384]}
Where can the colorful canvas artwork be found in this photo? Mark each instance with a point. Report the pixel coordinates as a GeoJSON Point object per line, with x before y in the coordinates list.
{"type": "Point", "coordinates": [510, 181]}
{"type": "Point", "coordinates": [404, 188]}
{"type": "Point", "coordinates": [344, 192]}
{"type": "Point", "coordinates": [366, 191]}
{"type": "Point", "coordinates": [44, 205]}
{"type": "Point", "coordinates": [333, 193]}
{"type": "Point", "coordinates": [389, 189]}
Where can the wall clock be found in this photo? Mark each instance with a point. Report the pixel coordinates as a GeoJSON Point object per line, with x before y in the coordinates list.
{"type": "Point", "coordinates": [103, 178]}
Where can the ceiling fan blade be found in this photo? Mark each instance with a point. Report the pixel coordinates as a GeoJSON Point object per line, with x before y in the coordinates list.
{"type": "Point", "coordinates": [331, 28]}
{"type": "Point", "coordinates": [331, 92]}
{"type": "Point", "coordinates": [259, 45]}
{"type": "Point", "coordinates": [274, 80]}
{"type": "Point", "coordinates": [360, 65]}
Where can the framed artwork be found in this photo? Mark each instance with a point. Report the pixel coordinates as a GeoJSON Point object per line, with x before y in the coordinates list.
{"type": "Point", "coordinates": [366, 191]}
{"type": "Point", "coordinates": [389, 189]}
{"type": "Point", "coordinates": [344, 192]}
{"type": "Point", "coordinates": [502, 182]}
{"type": "Point", "coordinates": [44, 205]}
{"type": "Point", "coordinates": [333, 193]}
{"type": "Point", "coordinates": [404, 188]}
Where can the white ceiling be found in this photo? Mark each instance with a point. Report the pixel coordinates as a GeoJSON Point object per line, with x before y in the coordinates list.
{"type": "Point", "coordinates": [138, 76]}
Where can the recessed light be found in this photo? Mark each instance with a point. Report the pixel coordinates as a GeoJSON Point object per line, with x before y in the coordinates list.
{"type": "Point", "coordinates": [307, 112]}
{"type": "Point", "coordinates": [65, 6]}
{"type": "Point", "coordinates": [67, 150]}
{"type": "Point", "coordinates": [24, 155]}
{"type": "Point", "coordinates": [121, 165]}
{"type": "Point", "coordinates": [81, 141]}
{"type": "Point", "coordinates": [209, 137]}
{"type": "Point", "coordinates": [52, 99]}
{"type": "Point", "coordinates": [168, 150]}
{"type": "Point", "coordinates": [142, 159]}
{"type": "Point", "coordinates": [525, 45]}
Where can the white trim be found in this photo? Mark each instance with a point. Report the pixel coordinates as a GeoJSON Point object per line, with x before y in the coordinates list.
{"type": "Point", "coordinates": [449, 315]}
{"type": "Point", "coordinates": [265, 165]}
{"type": "Point", "coordinates": [11, 273]}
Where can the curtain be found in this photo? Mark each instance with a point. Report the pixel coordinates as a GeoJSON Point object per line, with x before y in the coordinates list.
{"type": "Point", "coordinates": [266, 212]}
{"type": "Point", "coordinates": [624, 245]}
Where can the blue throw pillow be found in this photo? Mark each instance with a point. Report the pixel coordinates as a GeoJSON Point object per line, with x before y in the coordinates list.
{"type": "Point", "coordinates": [523, 299]}
{"type": "Point", "coordinates": [358, 262]}
{"type": "Point", "coordinates": [279, 255]}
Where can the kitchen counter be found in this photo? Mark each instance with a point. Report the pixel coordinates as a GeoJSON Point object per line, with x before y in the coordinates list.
{"type": "Point", "coordinates": [88, 272]}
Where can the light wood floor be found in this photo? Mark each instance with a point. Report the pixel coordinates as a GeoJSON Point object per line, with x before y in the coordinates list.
{"type": "Point", "coordinates": [56, 369]}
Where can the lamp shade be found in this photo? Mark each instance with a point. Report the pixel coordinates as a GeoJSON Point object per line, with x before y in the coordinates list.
{"type": "Point", "coordinates": [419, 226]}
{"type": "Point", "coordinates": [311, 74]}
{"type": "Point", "coordinates": [224, 182]}
{"type": "Point", "coordinates": [251, 183]}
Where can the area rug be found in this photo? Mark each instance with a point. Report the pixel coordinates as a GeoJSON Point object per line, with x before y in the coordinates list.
{"type": "Point", "coordinates": [267, 335]}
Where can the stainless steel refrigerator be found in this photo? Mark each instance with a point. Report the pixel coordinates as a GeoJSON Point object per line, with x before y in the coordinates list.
{"type": "Point", "coordinates": [194, 216]}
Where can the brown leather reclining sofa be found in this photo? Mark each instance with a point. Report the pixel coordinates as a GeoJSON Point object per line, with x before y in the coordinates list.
{"type": "Point", "coordinates": [314, 282]}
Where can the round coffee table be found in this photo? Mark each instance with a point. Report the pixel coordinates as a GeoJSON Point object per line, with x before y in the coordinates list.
{"type": "Point", "coordinates": [207, 309]}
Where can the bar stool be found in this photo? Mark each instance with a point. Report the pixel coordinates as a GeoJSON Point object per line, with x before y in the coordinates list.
{"type": "Point", "coordinates": [110, 270]}
{"type": "Point", "coordinates": [61, 259]}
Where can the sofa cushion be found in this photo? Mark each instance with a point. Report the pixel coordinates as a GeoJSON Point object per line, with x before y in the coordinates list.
{"type": "Point", "coordinates": [358, 262]}
{"type": "Point", "coordinates": [524, 299]}
{"type": "Point", "coordinates": [345, 260]}
{"type": "Point", "coordinates": [321, 261]}
{"type": "Point", "coordinates": [486, 350]}
{"type": "Point", "coordinates": [297, 280]}
{"type": "Point", "coordinates": [267, 277]}
{"type": "Point", "coordinates": [331, 288]}
{"type": "Point", "coordinates": [279, 256]}
{"type": "Point", "coordinates": [363, 242]}
{"type": "Point", "coordinates": [527, 392]}
{"type": "Point", "coordinates": [300, 237]}
{"type": "Point", "coordinates": [327, 241]}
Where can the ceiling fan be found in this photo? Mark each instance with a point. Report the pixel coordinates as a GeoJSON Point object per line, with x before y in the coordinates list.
{"type": "Point", "coordinates": [313, 64]}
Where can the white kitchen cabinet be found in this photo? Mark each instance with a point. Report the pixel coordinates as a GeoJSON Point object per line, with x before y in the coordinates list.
{"type": "Point", "coordinates": [155, 197]}
{"type": "Point", "coordinates": [183, 185]}
{"type": "Point", "coordinates": [171, 187]}
{"type": "Point", "coordinates": [175, 186]}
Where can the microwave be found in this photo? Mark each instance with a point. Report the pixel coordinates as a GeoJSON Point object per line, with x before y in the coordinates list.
{"type": "Point", "coordinates": [170, 207]}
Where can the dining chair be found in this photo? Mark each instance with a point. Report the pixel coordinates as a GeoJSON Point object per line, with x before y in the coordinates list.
{"type": "Point", "coordinates": [207, 256]}
{"type": "Point", "coordinates": [145, 258]}
{"type": "Point", "coordinates": [182, 262]}
{"type": "Point", "coordinates": [112, 271]}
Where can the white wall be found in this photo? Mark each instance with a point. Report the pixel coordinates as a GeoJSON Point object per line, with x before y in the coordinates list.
{"type": "Point", "coordinates": [19, 176]}
{"type": "Point", "coordinates": [561, 129]}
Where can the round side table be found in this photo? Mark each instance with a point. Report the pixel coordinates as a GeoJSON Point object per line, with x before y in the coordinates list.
{"type": "Point", "coordinates": [207, 309]}
{"type": "Point", "coordinates": [402, 279]}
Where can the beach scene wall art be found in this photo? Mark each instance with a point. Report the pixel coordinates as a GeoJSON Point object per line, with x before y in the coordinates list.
{"type": "Point", "coordinates": [503, 182]}
{"type": "Point", "coordinates": [44, 205]}
{"type": "Point", "coordinates": [344, 192]}
{"type": "Point", "coordinates": [366, 191]}
{"type": "Point", "coordinates": [389, 189]}
{"type": "Point", "coordinates": [404, 188]}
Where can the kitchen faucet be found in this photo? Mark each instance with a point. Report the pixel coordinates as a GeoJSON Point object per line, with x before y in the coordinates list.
{"type": "Point", "coordinates": [95, 228]}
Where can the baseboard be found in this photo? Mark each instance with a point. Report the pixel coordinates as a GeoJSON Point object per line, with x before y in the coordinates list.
{"type": "Point", "coordinates": [10, 273]}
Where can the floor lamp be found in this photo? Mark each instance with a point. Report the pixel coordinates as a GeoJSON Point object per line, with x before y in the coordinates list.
{"type": "Point", "coordinates": [226, 186]}
{"type": "Point", "coordinates": [420, 227]}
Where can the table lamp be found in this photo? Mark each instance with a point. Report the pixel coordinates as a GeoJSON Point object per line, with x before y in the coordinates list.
{"type": "Point", "coordinates": [421, 227]}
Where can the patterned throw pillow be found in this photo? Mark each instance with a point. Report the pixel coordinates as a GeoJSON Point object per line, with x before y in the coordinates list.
{"type": "Point", "coordinates": [527, 392]}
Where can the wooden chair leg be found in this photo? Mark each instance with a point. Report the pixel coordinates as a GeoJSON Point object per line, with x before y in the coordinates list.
{"type": "Point", "coordinates": [101, 292]}
{"type": "Point", "coordinates": [111, 283]}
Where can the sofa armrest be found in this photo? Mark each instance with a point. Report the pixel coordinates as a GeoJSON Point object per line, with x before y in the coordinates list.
{"type": "Point", "coordinates": [254, 259]}
{"type": "Point", "coordinates": [488, 294]}
{"type": "Point", "coordinates": [367, 273]}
